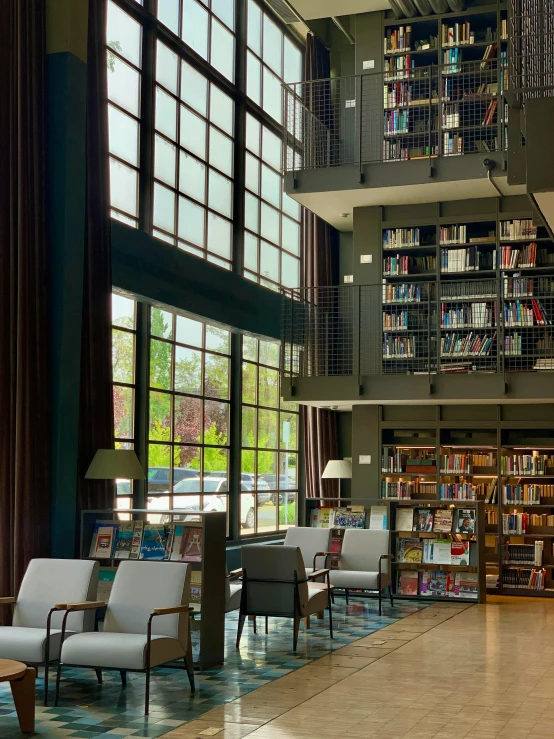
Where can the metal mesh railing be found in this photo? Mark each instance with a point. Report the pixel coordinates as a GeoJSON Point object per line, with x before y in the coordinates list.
{"type": "Point", "coordinates": [531, 48]}
{"type": "Point", "coordinates": [498, 325]}
{"type": "Point", "coordinates": [413, 113]}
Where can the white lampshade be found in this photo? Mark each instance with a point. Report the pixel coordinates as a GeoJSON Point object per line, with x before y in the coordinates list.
{"type": "Point", "coordinates": [337, 469]}
{"type": "Point", "coordinates": [111, 464]}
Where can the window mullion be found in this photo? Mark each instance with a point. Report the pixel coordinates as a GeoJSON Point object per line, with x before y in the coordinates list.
{"type": "Point", "coordinates": [147, 121]}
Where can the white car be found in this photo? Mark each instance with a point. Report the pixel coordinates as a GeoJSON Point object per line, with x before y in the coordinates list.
{"type": "Point", "coordinates": [216, 497]}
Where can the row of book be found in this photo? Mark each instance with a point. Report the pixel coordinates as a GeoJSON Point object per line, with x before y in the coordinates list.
{"type": "Point", "coordinates": [466, 345]}
{"type": "Point", "coordinates": [405, 265]}
{"type": "Point", "coordinates": [138, 540]}
{"type": "Point", "coordinates": [353, 517]}
{"type": "Point", "coordinates": [399, 94]}
{"type": "Point", "coordinates": [452, 143]}
{"type": "Point", "coordinates": [406, 293]}
{"type": "Point", "coordinates": [469, 315]}
{"type": "Point", "coordinates": [395, 238]}
{"type": "Point", "coordinates": [468, 259]}
{"type": "Point", "coordinates": [512, 257]}
{"type": "Point", "coordinates": [458, 33]}
{"type": "Point", "coordinates": [396, 121]}
{"type": "Point", "coordinates": [433, 551]}
{"type": "Point", "coordinates": [523, 554]}
{"type": "Point", "coordinates": [527, 494]}
{"type": "Point", "coordinates": [491, 516]}
{"type": "Point", "coordinates": [396, 151]}
{"type": "Point", "coordinates": [398, 347]}
{"type": "Point", "coordinates": [438, 584]}
{"type": "Point", "coordinates": [518, 229]}
{"type": "Point", "coordinates": [396, 459]}
{"type": "Point", "coordinates": [525, 579]}
{"type": "Point", "coordinates": [407, 489]}
{"type": "Point", "coordinates": [458, 491]}
{"type": "Point", "coordinates": [399, 39]}
{"type": "Point", "coordinates": [398, 321]}
{"type": "Point", "coordinates": [436, 520]}
{"type": "Point", "coordinates": [513, 345]}
{"type": "Point", "coordinates": [514, 523]}
{"type": "Point", "coordinates": [399, 68]}
{"type": "Point", "coordinates": [525, 314]}
{"type": "Point", "coordinates": [527, 464]}
{"type": "Point", "coordinates": [454, 464]}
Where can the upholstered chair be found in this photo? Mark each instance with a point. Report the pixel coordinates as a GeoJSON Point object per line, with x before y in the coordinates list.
{"type": "Point", "coordinates": [315, 545]}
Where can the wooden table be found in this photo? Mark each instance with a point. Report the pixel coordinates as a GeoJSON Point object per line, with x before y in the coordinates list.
{"type": "Point", "coordinates": [22, 683]}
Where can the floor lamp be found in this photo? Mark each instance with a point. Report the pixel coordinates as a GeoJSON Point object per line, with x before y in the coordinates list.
{"type": "Point", "coordinates": [337, 469]}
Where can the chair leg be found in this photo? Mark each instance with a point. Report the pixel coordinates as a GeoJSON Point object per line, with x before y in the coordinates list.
{"type": "Point", "coordinates": [58, 678]}
{"type": "Point", "coordinates": [330, 615]}
{"type": "Point", "coordinates": [296, 626]}
{"type": "Point", "coordinates": [266, 625]}
{"type": "Point", "coordinates": [46, 666]}
{"type": "Point", "coordinates": [98, 672]}
{"type": "Point", "coordinates": [380, 595]}
{"type": "Point", "coordinates": [190, 673]}
{"type": "Point", "coordinates": [346, 595]}
{"type": "Point", "coordinates": [255, 625]}
{"type": "Point", "coordinates": [242, 619]}
{"type": "Point", "coordinates": [307, 622]}
{"type": "Point", "coordinates": [390, 596]}
{"type": "Point", "coordinates": [147, 693]}
{"type": "Point", "coordinates": [123, 675]}
{"type": "Point", "coordinates": [333, 597]}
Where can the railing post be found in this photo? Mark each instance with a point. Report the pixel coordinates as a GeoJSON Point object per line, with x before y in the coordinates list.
{"type": "Point", "coordinates": [359, 116]}
{"type": "Point", "coordinates": [429, 118]}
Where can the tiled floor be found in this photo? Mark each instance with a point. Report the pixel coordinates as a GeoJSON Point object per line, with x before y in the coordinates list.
{"type": "Point", "coordinates": [448, 672]}
{"type": "Point", "coordinates": [88, 710]}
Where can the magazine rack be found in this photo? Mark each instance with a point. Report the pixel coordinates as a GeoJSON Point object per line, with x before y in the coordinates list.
{"type": "Point", "coordinates": [210, 572]}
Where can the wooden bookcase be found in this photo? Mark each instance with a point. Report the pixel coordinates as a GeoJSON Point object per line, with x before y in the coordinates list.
{"type": "Point", "coordinates": [209, 615]}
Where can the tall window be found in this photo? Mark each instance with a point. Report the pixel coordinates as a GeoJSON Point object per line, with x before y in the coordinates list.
{"type": "Point", "coordinates": [188, 451]}
{"type": "Point", "coordinates": [124, 387]}
{"type": "Point", "coordinates": [269, 459]}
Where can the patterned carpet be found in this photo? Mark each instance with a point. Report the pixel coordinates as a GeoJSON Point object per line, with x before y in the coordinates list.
{"type": "Point", "coordinates": [90, 710]}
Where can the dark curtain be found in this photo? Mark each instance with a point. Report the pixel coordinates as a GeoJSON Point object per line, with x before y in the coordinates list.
{"type": "Point", "coordinates": [24, 308]}
{"type": "Point", "coordinates": [96, 400]}
{"type": "Point", "coordinates": [320, 269]}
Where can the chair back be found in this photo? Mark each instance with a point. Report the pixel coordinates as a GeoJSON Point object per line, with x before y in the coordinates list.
{"type": "Point", "coordinates": [50, 581]}
{"type": "Point", "coordinates": [362, 548]}
{"type": "Point", "coordinates": [310, 541]}
{"type": "Point", "coordinates": [138, 588]}
{"type": "Point", "coordinates": [276, 566]}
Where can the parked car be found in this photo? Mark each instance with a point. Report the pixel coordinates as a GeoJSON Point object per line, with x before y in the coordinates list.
{"type": "Point", "coordinates": [247, 505]}
{"type": "Point", "coordinates": [285, 483]}
{"type": "Point", "coordinates": [262, 486]}
{"type": "Point", "coordinates": [158, 477]}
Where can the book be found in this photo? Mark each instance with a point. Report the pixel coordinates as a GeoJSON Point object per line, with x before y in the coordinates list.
{"type": "Point", "coordinates": [404, 519]}
{"type": "Point", "coordinates": [408, 582]}
{"type": "Point", "coordinates": [347, 518]}
{"type": "Point", "coordinates": [423, 520]}
{"type": "Point", "coordinates": [106, 576]}
{"type": "Point", "coordinates": [187, 543]}
{"type": "Point", "coordinates": [124, 540]}
{"type": "Point", "coordinates": [441, 552]}
{"type": "Point", "coordinates": [321, 517]}
{"type": "Point", "coordinates": [434, 583]}
{"type": "Point", "coordinates": [465, 521]}
{"type": "Point", "coordinates": [378, 518]}
{"type": "Point", "coordinates": [103, 539]}
{"type": "Point", "coordinates": [409, 550]}
{"type": "Point", "coordinates": [466, 585]}
{"type": "Point", "coordinates": [336, 544]}
{"type": "Point", "coordinates": [137, 540]}
{"type": "Point", "coordinates": [443, 520]}
{"type": "Point", "coordinates": [153, 542]}
{"type": "Point", "coordinates": [459, 552]}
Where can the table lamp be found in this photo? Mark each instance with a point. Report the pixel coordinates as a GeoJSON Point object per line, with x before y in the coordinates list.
{"type": "Point", "coordinates": [113, 464]}
{"type": "Point", "coordinates": [337, 469]}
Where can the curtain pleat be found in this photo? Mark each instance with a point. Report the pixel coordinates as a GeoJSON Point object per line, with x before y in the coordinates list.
{"type": "Point", "coordinates": [320, 269]}
{"type": "Point", "coordinates": [24, 307]}
{"type": "Point", "coordinates": [96, 399]}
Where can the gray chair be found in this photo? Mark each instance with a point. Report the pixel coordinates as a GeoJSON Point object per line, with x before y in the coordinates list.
{"type": "Point", "coordinates": [364, 563]}
{"type": "Point", "coordinates": [35, 634]}
{"type": "Point", "coordinates": [146, 624]}
{"type": "Point", "coordinates": [233, 589]}
{"type": "Point", "coordinates": [274, 583]}
{"type": "Point", "coordinates": [315, 545]}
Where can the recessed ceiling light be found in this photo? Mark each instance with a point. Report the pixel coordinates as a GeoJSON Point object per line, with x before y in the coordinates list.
{"type": "Point", "coordinates": [344, 215]}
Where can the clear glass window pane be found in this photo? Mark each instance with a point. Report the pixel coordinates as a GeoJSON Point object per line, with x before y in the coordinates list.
{"type": "Point", "coordinates": [271, 186]}
{"type": "Point", "coordinates": [270, 223]}
{"type": "Point", "coordinates": [188, 370]}
{"type": "Point", "coordinates": [193, 133]}
{"type": "Point", "coordinates": [194, 30]}
{"type": "Point", "coordinates": [251, 212]}
{"type": "Point", "coordinates": [223, 50]}
{"type": "Point", "coordinates": [272, 95]}
{"type": "Point", "coordinates": [191, 222]}
{"type": "Point", "coordinates": [189, 332]}
{"type": "Point", "coordinates": [168, 14]}
{"type": "Point", "coordinates": [253, 79]}
{"type": "Point", "coordinates": [247, 511]}
{"type": "Point", "coordinates": [124, 135]}
{"type": "Point", "coordinates": [123, 34]}
{"type": "Point", "coordinates": [249, 426]}
{"type": "Point", "coordinates": [254, 32]}
{"type": "Point", "coordinates": [123, 187]}
{"type": "Point", "coordinates": [217, 339]}
{"type": "Point", "coordinates": [165, 161]}
{"type": "Point", "coordinates": [216, 376]}
{"type": "Point", "coordinates": [123, 84]}
{"type": "Point", "coordinates": [290, 237]}
{"type": "Point", "coordinates": [220, 194]}
{"type": "Point", "coordinates": [267, 429]}
{"type": "Point", "coordinates": [123, 402]}
{"type": "Point", "coordinates": [187, 422]}
{"type": "Point", "coordinates": [267, 515]}
{"type": "Point", "coordinates": [167, 65]}
{"type": "Point", "coordinates": [160, 416]}
{"type": "Point", "coordinates": [269, 262]}
{"type": "Point", "coordinates": [249, 382]}
{"type": "Point", "coordinates": [293, 63]}
{"type": "Point", "coordinates": [219, 236]}
{"type": "Point", "coordinates": [221, 151]}
{"type": "Point", "coordinates": [269, 353]}
{"type": "Point", "coordinates": [271, 149]}
{"type": "Point", "coordinates": [161, 323]}
{"type": "Point", "coordinates": [252, 175]}
{"type": "Point", "coordinates": [273, 40]}
{"type": "Point", "coordinates": [123, 356]}
{"type": "Point", "coordinates": [160, 364]}
{"type": "Point", "coordinates": [166, 114]}
{"type": "Point", "coordinates": [291, 207]}
{"type": "Point", "coordinates": [194, 88]}
{"type": "Point", "coordinates": [192, 177]}
{"type": "Point", "coordinates": [250, 252]}
{"type": "Point", "coordinates": [221, 110]}
{"type": "Point", "coordinates": [216, 423]}
{"type": "Point", "coordinates": [123, 311]}
{"type": "Point", "coordinates": [290, 270]}
{"type": "Point", "coordinates": [164, 208]}
{"type": "Point", "coordinates": [253, 130]}
{"type": "Point", "coordinates": [289, 431]}
{"type": "Point", "coordinates": [225, 10]}
{"type": "Point", "coordinates": [287, 510]}
{"type": "Point", "coordinates": [268, 387]}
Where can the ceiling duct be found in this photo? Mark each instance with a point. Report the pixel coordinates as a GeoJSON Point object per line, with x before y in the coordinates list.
{"type": "Point", "coordinates": [285, 11]}
{"type": "Point", "coordinates": [412, 8]}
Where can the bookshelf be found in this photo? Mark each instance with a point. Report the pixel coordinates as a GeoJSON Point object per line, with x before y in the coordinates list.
{"type": "Point", "coordinates": [443, 84]}
{"type": "Point", "coordinates": [207, 575]}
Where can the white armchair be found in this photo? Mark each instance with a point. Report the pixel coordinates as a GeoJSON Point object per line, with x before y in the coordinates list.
{"type": "Point", "coordinates": [315, 545]}
{"type": "Point", "coordinates": [146, 624]}
{"type": "Point", "coordinates": [364, 563]}
{"type": "Point", "coordinates": [274, 583]}
{"type": "Point", "coordinates": [35, 634]}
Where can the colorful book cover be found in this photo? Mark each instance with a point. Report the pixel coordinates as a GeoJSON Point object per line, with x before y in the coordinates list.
{"type": "Point", "coordinates": [196, 595]}
{"type": "Point", "coordinates": [103, 539]}
{"type": "Point", "coordinates": [124, 540]}
{"type": "Point", "coordinates": [466, 585]}
{"type": "Point", "coordinates": [187, 543]}
{"type": "Point", "coordinates": [324, 517]}
{"type": "Point", "coordinates": [428, 551]}
{"type": "Point", "coordinates": [423, 520]}
{"type": "Point", "coordinates": [441, 552]}
{"type": "Point", "coordinates": [465, 521]}
{"type": "Point", "coordinates": [404, 519]}
{"type": "Point", "coordinates": [410, 550]}
{"type": "Point", "coordinates": [378, 518]}
{"type": "Point", "coordinates": [153, 542]}
{"type": "Point", "coordinates": [434, 583]}
{"type": "Point", "coordinates": [408, 582]}
{"type": "Point", "coordinates": [137, 540]}
{"type": "Point", "coordinates": [443, 520]}
{"type": "Point", "coordinates": [459, 552]}
{"type": "Point", "coordinates": [343, 518]}
{"type": "Point", "coordinates": [336, 544]}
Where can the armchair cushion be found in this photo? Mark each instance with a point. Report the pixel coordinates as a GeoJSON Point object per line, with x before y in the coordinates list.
{"type": "Point", "coordinates": [318, 598]}
{"type": "Point", "coordinates": [310, 541]}
{"type": "Point", "coordinates": [27, 644]}
{"type": "Point", "coordinates": [233, 600]}
{"type": "Point", "coordinates": [357, 580]}
{"type": "Point", "coordinates": [119, 651]}
{"type": "Point", "coordinates": [362, 549]}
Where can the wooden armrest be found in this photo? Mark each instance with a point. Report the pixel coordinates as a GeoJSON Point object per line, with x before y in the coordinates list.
{"type": "Point", "coordinates": [323, 554]}
{"type": "Point", "coordinates": [86, 605]}
{"type": "Point", "coordinates": [385, 556]}
{"type": "Point", "coordinates": [317, 573]}
{"type": "Point", "coordinates": [236, 573]}
{"type": "Point", "coordinates": [168, 611]}
{"type": "Point", "coordinates": [7, 601]}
